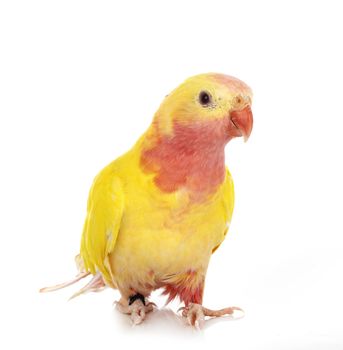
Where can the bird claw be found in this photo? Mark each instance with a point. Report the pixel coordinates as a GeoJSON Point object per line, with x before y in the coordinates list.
{"type": "Point", "coordinates": [153, 304]}
{"type": "Point", "coordinates": [196, 313]}
{"type": "Point", "coordinates": [137, 310]}
{"type": "Point", "coordinates": [181, 308]}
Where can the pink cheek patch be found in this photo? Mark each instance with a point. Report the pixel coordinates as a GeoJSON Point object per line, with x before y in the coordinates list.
{"type": "Point", "coordinates": [192, 158]}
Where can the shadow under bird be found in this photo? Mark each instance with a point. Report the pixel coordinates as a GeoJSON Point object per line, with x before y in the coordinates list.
{"type": "Point", "coordinates": [156, 214]}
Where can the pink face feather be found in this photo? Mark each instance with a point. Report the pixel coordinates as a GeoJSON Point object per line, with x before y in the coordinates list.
{"type": "Point", "coordinates": [193, 157]}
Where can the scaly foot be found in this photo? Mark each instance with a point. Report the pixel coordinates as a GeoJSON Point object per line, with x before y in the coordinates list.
{"type": "Point", "coordinates": [196, 313]}
{"type": "Point", "coordinates": [136, 307]}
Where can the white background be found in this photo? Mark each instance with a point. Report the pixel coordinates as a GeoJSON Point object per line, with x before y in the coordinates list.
{"type": "Point", "coordinates": [80, 81]}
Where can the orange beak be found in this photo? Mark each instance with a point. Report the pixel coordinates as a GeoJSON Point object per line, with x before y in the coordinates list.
{"type": "Point", "coordinates": [242, 121]}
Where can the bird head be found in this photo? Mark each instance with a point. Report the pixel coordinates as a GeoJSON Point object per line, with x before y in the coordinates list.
{"type": "Point", "coordinates": [217, 105]}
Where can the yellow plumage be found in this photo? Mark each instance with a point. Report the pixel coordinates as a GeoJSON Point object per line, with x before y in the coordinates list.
{"type": "Point", "coordinates": [141, 237]}
{"type": "Point", "coordinates": [156, 214]}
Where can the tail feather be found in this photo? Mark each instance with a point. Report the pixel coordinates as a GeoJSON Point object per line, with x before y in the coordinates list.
{"type": "Point", "coordinates": [96, 284]}
{"type": "Point", "coordinates": [77, 278]}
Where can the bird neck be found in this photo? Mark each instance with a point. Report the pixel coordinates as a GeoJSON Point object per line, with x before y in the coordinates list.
{"type": "Point", "coordinates": [192, 157]}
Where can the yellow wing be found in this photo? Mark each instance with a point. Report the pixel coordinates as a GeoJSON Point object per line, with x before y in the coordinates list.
{"type": "Point", "coordinates": [228, 202]}
{"type": "Point", "coordinates": [104, 213]}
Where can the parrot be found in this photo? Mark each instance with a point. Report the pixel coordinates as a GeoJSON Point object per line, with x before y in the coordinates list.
{"type": "Point", "coordinates": [156, 214]}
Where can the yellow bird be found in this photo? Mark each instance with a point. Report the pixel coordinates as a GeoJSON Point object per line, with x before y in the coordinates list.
{"type": "Point", "coordinates": [157, 213]}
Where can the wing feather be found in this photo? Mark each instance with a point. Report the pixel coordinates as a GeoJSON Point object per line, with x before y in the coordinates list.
{"type": "Point", "coordinates": [228, 201]}
{"type": "Point", "coordinates": [104, 214]}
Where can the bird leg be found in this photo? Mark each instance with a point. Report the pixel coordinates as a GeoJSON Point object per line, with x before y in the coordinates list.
{"type": "Point", "coordinates": [136, 307]}
{"type": "Point", "coordinates": [196, 313]}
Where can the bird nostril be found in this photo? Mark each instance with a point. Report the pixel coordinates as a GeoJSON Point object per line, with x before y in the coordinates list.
{"type": "Point", "coordinates": [241, 101]}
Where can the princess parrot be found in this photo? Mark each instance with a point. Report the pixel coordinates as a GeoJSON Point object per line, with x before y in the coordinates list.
{"type": "Point", "coordinates": [157, 213]}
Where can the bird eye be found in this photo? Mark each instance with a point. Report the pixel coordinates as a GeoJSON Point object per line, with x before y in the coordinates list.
{"type": "Point", "coordinates": [204, 98]}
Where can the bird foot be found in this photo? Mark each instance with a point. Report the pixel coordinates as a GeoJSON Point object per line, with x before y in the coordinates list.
{"type": "Point", "coordinates": [137, 310]}
{"type": "Point", "coordinates": [196, 313]}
